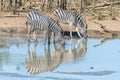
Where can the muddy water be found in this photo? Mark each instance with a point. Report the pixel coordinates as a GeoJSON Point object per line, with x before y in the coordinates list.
{"type": "Point", "coordinates": [79, 59]}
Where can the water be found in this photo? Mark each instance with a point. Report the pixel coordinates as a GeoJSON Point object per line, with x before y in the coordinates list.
{"type": "Point", "coordinates": [79, 59]}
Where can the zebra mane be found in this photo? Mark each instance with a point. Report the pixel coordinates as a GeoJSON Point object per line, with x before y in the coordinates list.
{"type": "Point", "coordinates": [53, 20]}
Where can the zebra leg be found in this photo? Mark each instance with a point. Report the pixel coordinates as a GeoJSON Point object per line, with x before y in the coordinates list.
{"type": "Point", "coordinates": [78, 32]}
{"type": "Point", "coordinates": [84, 32]}
{"type": "Point", "coordinates": [28, 60]}
{"type": "Point", "coordinates": [29, 33]}
{"type": "Point", "coordinates": [45, 37]}
{"type": "Point", "coordinates": [34, 52]}
{"type": "Point", "coordinates": [71, 32]}
{"type": "Point", "coordinates": [53, 37]}
{"type": "Point", "coordinates": [28, 55]}
{"type": "Point", "coordinates": [49, 36]}
{"type": "Point", "coordinates": [28, 37]}
{"type": "Point", "coordinates": [70, 47]}
{"type": "Point", "coordinates": [35, 39]}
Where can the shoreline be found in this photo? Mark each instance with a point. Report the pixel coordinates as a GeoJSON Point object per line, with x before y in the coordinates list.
{"type": "Point", "coordinates": [96, 29]}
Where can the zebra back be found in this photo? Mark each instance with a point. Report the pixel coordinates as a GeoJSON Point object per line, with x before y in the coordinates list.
{"type": "Point", "coordinates": [54, 26]}
{"type": "Point", "coordinates": [34, 15]}
{"type": "Point", "coordinates": [37, 20]}
{"type": "Point", "coordinates": [65, 16]}
{"type": "Point", "coordinates": [70, 17]}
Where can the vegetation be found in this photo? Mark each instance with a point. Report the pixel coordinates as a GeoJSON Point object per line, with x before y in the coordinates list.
{"type": "Point", "coordinates": [97, 9]}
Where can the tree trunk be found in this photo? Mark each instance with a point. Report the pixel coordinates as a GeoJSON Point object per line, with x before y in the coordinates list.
{"type": "Point", "coordinates": [111, 1]}
{"type": "Point", "coordinates": [81, 7]}
{"type": "Point", "coordinates": [58, 3]}
{"type": "Point", "coordinates": [15, 6]}
{"type": "Point", "coordinates": [11, 2]}
{"type": "Point", "coordinates": [1, 5]}
{"type": "Point", "coordinates": [118, 2]}
{"type": "Point", "coordinates": [49, 5]}
{"type": "Point", "coordinates": [63, 4]}
{"type": "Point", "coordinates": [0, 9]}
{"type": "Point", "coordinates": [20, 2]}
{"type": "Point", "coordinates": [43, 4]}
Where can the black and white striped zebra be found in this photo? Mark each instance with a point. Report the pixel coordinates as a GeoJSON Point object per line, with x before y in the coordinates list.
{"type": "Point", "coordinates": [37, 21]}
{"type": "Point", "coordinates": [73, 19]}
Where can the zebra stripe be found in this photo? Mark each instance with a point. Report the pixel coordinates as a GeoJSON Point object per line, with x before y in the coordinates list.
{"type": "Point", "coordinates": [47, 62]}
{"type": "Point", "coordinates": [71, 18]}
{"type": "Point", "coordinates": [38, 21]}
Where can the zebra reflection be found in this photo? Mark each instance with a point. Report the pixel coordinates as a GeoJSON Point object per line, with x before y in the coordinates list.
{"type": "Point", "coordinates": [47, 62]}
{"type": "Point", "coordinates": [53, 56]}
{"type": "Point", "coordinates": [77, 52]}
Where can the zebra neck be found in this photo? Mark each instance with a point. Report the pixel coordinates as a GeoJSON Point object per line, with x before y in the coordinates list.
{"type": "Point", "coordinates": [55, 33]}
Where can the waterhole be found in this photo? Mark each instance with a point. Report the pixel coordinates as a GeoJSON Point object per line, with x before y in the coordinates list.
{"type": "Point", "coordinates": [78, 59]}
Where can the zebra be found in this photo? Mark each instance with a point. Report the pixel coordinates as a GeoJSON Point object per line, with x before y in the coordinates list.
{"type": "Point", "coordinates": [38, 21]}
{"type": "Point", "coordinates": [73, 19]}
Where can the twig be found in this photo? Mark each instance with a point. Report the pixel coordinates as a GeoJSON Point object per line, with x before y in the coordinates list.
{"type": "Point", "coordinates": [104, 27]}
{"type": "Point", "coordinates": [102, 42]}
{"type": "Point", "coordinates": [105, 4]}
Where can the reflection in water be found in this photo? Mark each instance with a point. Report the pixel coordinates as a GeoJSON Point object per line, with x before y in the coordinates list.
{"type": "Point", "coordinates": [79, 49]}
{"type": "Point", "coordinates": [52, 59]}
{"type": "Point", "coordinates": [4, 54]}
{"type": "Point", "coordinates": [96, 73]}
{"type": "Point", "coordinates": [45, 63]}
{"type": "Point", "coordinates": [102, 42]}
{"type": "Point", "coordinates": [58, 62]}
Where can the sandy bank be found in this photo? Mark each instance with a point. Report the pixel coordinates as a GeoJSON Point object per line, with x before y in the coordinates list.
{"type": "Point", "coordinates": [12, 24]}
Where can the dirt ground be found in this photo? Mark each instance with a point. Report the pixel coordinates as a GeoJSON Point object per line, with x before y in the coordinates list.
{"type": "Point", "coordinates": [96, 28]}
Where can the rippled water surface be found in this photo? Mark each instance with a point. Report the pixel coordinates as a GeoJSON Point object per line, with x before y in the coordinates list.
{"type": "Point", "coordinates": [79, 59]}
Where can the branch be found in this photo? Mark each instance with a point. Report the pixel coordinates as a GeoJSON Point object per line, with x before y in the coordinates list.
{"type": "Point", "coordinates": [102, 42]}
{"type": "Point", "coordinates": [105, 4]}
{"type": "Point", "coordinates": [104, 27]}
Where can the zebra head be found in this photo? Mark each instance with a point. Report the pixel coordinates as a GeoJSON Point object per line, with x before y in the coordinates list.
{"type": "Point", "coordinates": [55, 27]}
{"type": "Point", "coordinates": [83, 25]}
{"type": "Point", "coordinates": [60, 37]}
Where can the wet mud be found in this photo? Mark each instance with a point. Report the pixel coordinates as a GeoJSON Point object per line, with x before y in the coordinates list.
{"type": "Point", "coordinates": [18, 32]}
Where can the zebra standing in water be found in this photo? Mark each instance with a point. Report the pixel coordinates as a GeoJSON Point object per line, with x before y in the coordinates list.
{"type": "Point", "coordinates": [37, 21]}
{"type": "Point", "coordinates": [73, 19]}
